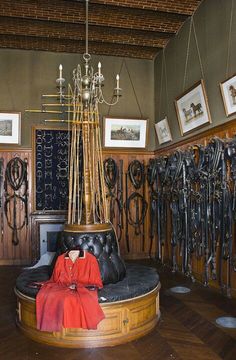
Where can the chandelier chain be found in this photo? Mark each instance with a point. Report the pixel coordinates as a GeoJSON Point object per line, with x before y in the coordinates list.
{"type": "Point", "coordinates": [86, 28]}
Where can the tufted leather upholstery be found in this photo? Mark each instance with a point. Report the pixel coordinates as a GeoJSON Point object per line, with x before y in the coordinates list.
{"type": "Point", "coordinates": [138, 281]}
{"type": "Point", "coordinates": [103, 246]}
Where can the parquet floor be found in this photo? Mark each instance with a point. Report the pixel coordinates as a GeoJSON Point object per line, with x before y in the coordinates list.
{"type": "Point", "coordinates": [186, 330]}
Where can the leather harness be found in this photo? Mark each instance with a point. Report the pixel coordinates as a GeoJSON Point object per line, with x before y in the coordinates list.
{"type": "Point", "coordinates": [198, 186]}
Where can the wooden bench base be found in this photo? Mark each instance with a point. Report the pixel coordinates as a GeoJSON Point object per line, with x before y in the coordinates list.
{"type": "Point", "coordinates": [124, 321]}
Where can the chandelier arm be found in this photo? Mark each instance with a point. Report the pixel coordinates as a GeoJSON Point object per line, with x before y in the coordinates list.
{"type": "Point", "coordinates": [101, 99]}
{"type": "Point", "coordinates": [110, 104]}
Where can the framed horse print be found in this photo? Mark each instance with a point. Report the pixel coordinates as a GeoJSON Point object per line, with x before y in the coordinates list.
{"type": "Point", "coordinates": [192, 108]}
{"type": "Point", "coordinates": [228, 92]}
{"type": "Point", "coordinates": [10, 127]}
{"type": "Point", "coordinates": [163, 131]}
{"type": "Point", "coordinates": [125, 133]}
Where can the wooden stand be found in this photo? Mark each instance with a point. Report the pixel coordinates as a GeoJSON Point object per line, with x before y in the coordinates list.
{"type": "Point", "coordinates": [124, 321]}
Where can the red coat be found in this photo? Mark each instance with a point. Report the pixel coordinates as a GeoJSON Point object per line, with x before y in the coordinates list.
{"type": "Point", "coordinates": [58, 306]}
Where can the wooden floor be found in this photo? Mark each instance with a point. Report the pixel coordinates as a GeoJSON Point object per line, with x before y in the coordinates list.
{"type": "Point", "coordinates": [186, 329]}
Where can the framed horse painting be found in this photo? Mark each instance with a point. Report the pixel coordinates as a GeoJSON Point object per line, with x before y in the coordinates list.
{"type": "Point", "coordinates": [192, 108]}
{"type": "Point", "coordinates": [10, 127]}
{"type": "Point", "coordinates": [125, 133]}
{"type": "Point", "coordinates": [163, 131]}
{"type": "Point", "coordinates": [228, 92]}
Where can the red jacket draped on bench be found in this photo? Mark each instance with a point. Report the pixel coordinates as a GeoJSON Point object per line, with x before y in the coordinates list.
{"type": "Point", "coordinates": [57, 305]}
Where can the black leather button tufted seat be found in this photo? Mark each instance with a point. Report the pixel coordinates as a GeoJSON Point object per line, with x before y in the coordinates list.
{"type": "Point", "coordinates": [139, 280]}
{"type": "Point", "coordinates": [103, 246]}
{"type": "Point", "coordinates": [121, 282]}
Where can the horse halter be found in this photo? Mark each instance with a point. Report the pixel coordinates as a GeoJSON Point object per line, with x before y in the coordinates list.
{"type": "Point", "coordinates": [110, 173]}
{"type": "Point", "coordinates": [136, 173]}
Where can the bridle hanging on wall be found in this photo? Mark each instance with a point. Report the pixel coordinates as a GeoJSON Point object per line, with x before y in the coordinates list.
{"type": "Point", "coordinates": [136, 173]}
{"type": "Point", "coordinates": [16, 195]}
{"type": "Point", "coordinates": [152, 180]}
{"type": "Point", "coordinates": [156, 176]}
{"type": "Point", "coordinates": [135, 204]}
{"type": "Point", "coordinates": [110, 173]}
{"type": "Point", "coordinates": [113, 177]}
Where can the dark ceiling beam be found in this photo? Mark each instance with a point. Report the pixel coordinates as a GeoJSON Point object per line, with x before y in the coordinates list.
{"type": "Point", "coordinates": [102, 15]}
{"type": "Point", "coordinates": [73, 46]}
{"type": "Point", "coordinates": [132, 28]}
{"type": "Point", "coordinates": [184, 7]}
{"type": "Point", "coordinates": [19, 26]}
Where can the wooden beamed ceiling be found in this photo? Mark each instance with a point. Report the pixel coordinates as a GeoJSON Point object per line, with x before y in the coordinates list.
{"type": "Point", "coordinates": [130, 28]}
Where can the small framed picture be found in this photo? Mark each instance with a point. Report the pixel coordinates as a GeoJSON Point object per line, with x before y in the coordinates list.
{"type": "Point", "coordinates": [192, 108]}
{"type": "Point", "coordinates": [124, 133]}
{"type": "Point", "coordinates": [163, 131]}
{"type": "Point", "coordinates": [228, 92]}
{"type": "Point", "coordinates": [10, 123]}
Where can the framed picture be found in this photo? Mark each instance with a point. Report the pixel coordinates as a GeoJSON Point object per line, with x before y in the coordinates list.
{"type": "Point", "coordinates": [163, 131]}
{"type": "Point", "coordinates": [192, 108]}
{"type": "Point", "coordinates": [10, 127]}
{"type": "Point", "coordinates": [124, 133]}
{"type": "Point", "coordinates": [228, 91]}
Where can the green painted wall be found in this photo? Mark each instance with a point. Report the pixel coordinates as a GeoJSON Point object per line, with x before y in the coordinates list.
{"type": "Point", "coordinates": [212, 24]}
{"type": "Point", "coordinates": [26, 75]}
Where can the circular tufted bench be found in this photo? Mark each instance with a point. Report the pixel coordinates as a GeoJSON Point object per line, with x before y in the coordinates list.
{"type": "Point", "coordinates": [129, 298]}
{"type": "Point", "coordinates": [131, 308]}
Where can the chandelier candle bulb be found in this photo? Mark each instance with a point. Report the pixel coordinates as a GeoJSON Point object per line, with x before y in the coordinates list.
{"type": "Point", "coordinates": [117, 81]}
{"type": "Point", "coordinates": [60, 71]}
{"type": "Point", "coordinates": [99, 68]}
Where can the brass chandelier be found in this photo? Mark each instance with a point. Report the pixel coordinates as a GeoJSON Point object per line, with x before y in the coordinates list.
{"type": "Point", "coordinates": [87, 198]}
{"type": "Point", "coordinates": [79, 108]}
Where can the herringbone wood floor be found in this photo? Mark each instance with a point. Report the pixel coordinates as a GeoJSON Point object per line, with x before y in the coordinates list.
{"type": "Point", "coordinates": [186, 329]}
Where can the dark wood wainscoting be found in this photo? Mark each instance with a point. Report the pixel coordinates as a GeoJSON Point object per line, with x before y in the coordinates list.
{"type": "Point", "coordinates": [139, 244]}
{"type": "Point", "coordinates": [27, 252]}
{"type": "Point", "coordinates": [10, 253]}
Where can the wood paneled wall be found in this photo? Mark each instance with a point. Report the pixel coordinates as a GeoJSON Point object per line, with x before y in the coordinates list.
{"type": "Point", "coordinates": [28, 249]}
{"type": "Point", "coordinates": [10, 253]}
{"type": "Point", "coordinates": [223, 131]}
{"type": "Point", "coordinates": [139, 245]}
